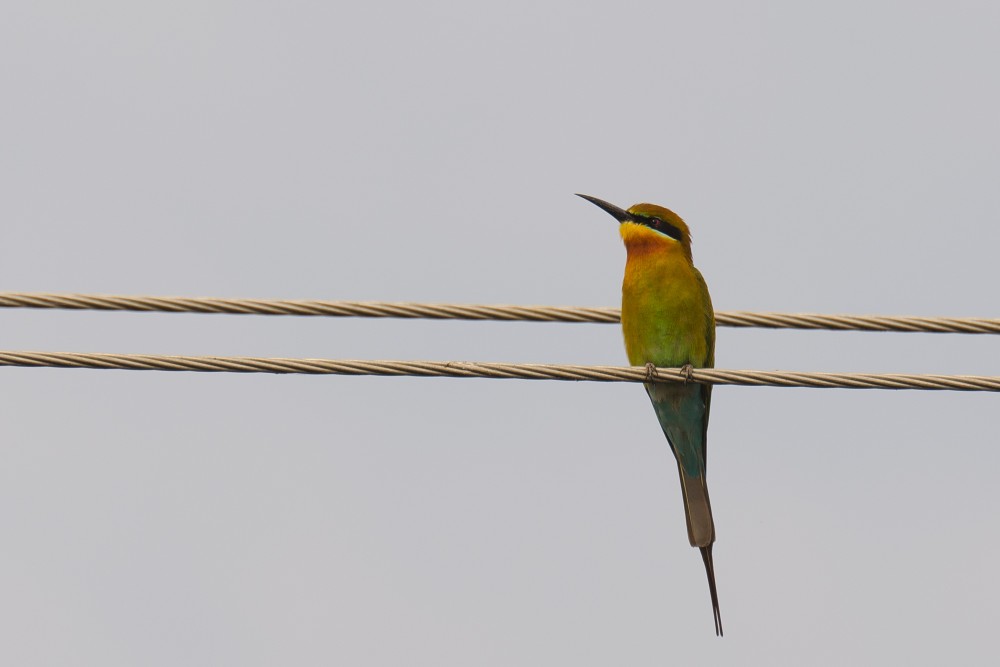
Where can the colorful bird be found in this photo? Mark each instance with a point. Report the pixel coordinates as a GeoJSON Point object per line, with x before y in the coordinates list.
{"type": "Point", "coordinates": [668, 321]}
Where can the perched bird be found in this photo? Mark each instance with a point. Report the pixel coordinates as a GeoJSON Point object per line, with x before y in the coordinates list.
{"type": "Point", "coordinates": [668, 321]}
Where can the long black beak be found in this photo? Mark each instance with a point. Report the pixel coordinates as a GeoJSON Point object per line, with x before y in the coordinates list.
{"type": "Point", "coordinates": [619, 214]}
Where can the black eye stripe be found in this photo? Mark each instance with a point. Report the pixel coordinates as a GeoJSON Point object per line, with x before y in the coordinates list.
{"type": "Point", "coordinates": [661, 226]}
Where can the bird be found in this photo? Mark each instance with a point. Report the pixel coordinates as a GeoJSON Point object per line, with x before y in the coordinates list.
{"type": "Point", "coordinates": [668, 321]}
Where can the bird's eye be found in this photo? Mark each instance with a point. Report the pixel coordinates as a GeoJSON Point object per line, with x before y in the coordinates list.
{"type": "Point", "coordinates": [663, 227]}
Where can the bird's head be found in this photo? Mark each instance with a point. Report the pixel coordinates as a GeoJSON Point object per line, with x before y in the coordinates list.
{"type": "Point", "coordinates": [648, 227]}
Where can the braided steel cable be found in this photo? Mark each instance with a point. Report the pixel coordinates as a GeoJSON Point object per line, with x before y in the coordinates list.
{"type": "Point", "coordinates": [968, 325]}
{"type": "Point", "coordinates": [464, 369]}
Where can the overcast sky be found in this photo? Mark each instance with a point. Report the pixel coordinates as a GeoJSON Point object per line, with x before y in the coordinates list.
{"type": "Point", "coordinates": [843, 159]}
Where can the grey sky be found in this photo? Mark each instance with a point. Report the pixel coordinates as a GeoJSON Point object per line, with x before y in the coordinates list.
{"type": "Point", "coordinates": [837, 159]}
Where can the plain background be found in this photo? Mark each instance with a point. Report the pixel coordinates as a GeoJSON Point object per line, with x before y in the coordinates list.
{"type": "Point", "coordinates": [829, 158]}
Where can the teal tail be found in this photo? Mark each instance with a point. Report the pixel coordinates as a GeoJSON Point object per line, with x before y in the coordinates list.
{"type": "Point", "coordinates": [683, 415]}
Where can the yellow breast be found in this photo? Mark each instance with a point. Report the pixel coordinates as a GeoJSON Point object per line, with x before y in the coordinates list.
{"type": "Point", "coordinates": [666, 311]}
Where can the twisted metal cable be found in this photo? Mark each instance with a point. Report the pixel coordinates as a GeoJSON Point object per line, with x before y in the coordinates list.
{"type": "Point", "coordinates": [308, 307]}
{"type": "Point", "coordinates": [969, 325]}
{"type": "Point", "coordinates": [469, 369]}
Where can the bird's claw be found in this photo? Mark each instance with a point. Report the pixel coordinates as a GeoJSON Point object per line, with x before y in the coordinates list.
{"type": "Point", "coordinates": [650, 371]}
{"type": "Point", "coordinates": [687, 370]}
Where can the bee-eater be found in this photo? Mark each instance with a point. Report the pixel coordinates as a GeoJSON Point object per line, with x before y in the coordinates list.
{"type": "Point", "coordinates": [668, 321]}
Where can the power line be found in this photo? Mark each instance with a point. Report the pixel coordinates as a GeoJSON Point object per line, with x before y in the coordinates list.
{"type": "Point", "coordinates": [468, 369]}
{"type": "Point", "coordinates": [969, 325]}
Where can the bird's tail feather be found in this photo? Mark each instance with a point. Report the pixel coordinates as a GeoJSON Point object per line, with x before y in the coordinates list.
{"type": "Point", "coordinates": [701, 530]}
{"type": "Point", "coordinates": [706, 555]}
{"type": "Point", "coordinates": [697, 509]}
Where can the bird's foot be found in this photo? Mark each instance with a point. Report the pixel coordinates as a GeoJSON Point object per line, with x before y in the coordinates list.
{"type": "Point", "coordinates": [687, 370]}
{"type": "Point", "coordinates": [650, 371]}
